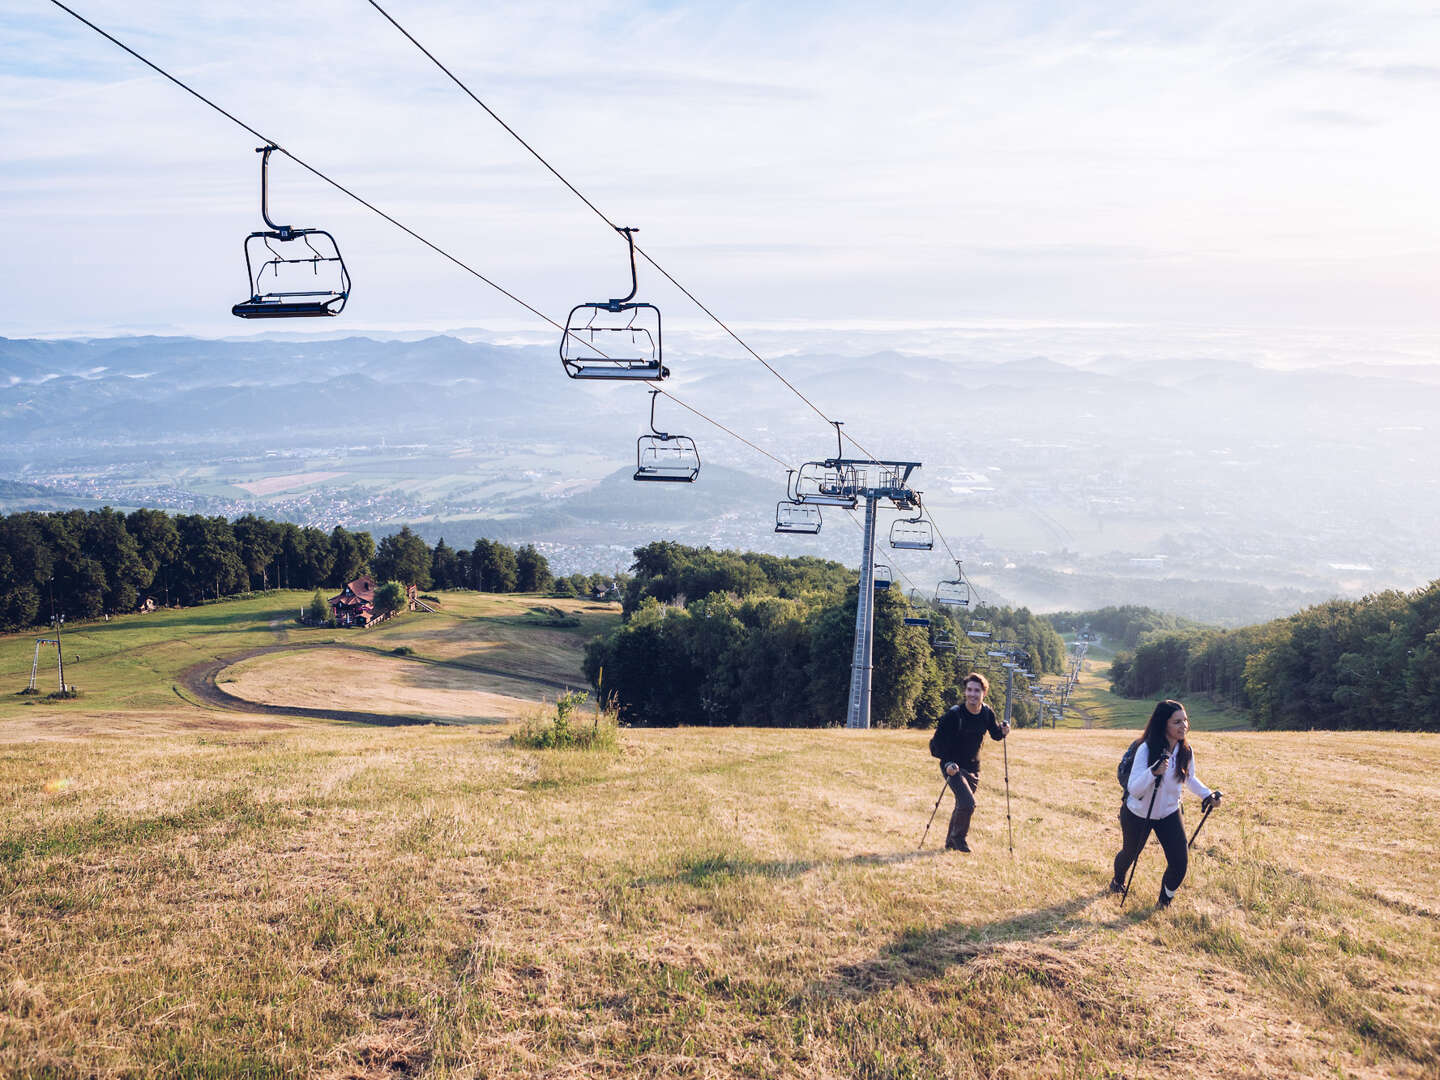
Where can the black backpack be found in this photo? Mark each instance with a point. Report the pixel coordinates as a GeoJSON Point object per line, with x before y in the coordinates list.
{"type": "Point", "coordinates": [1127, 762]}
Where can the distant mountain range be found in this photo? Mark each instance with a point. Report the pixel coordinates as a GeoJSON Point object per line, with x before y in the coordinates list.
{"type": "Point", "coordinates": [1121, 470]}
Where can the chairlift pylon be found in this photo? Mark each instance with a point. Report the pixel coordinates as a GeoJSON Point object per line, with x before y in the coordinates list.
{"type": "Point", "coordinates": [293, 273]}
{"type": "Point", "coordinates": [614, 339]}
{"type": "Point", "coordinates": [665, 457]}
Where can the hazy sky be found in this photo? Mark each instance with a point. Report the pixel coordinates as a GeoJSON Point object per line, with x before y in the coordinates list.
{"type": "Point", "coordinates": [1228, 164]}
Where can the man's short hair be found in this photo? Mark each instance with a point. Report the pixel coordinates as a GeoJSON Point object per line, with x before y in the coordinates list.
{"type": "Point", "coordinates": [975, 676]}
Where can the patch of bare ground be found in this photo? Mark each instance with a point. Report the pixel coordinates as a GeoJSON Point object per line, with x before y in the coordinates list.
{"type": "Point", "coordinates": [323, 678]}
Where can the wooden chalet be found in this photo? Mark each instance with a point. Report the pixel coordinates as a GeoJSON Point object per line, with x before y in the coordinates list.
{"type": "Point", "coordinates": [355, 606]}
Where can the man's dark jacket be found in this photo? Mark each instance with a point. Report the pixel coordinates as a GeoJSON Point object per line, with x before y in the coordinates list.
{"type": "Point", "coordinates": [959, 734]}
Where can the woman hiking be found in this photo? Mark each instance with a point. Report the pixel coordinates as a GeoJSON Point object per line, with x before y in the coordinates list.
{"type": "Point", "coordinates": [1164, 763]}
{"type": "Point", "coordinates": [956, 742]}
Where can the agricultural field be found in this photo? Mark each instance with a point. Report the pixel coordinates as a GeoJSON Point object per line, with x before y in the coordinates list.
{"type": "Point", "coordinates": [210, 868]}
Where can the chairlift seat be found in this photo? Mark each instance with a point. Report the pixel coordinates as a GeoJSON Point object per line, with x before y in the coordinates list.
{"type": "Point", "coordinates": [294, 274]}
{"type": "Point", "coordinates": [666, 458]}
{"type": "Point", "coordinates": [953, 593]}
{"type": "Point", "coordinates": [912, 535]}
{"type": "Point", "coordinates": [916, 620]}
{"type": "Point", "coordinates": [608, 340]}
{"type": "Point", "coordinates": [882, 576]}
{"type": "Point", "coordinates": [797, 518]}
{"type": "Point", "coordinates": [826, 485]}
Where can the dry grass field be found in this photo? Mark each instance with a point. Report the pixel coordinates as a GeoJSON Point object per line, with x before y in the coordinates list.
{"type": "Point", "coordinates": [191, 891]}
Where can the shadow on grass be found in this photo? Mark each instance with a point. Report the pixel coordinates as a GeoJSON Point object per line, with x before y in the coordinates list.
{"type": "Point", "coordinates": [918, 955]}
{"type": "Point", "coordinates": [703, 871]}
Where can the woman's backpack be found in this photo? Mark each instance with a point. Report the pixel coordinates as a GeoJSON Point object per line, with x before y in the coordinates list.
{"type": "Point", "coordinates": [1127, 762]}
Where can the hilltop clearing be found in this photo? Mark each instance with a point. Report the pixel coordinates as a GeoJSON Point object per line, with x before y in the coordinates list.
{"type": "Point", "coordinates": [229, 897]}
{"type": "Point", "coordinates": [192, 668]}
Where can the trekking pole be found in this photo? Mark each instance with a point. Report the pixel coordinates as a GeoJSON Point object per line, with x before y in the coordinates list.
{"type": "Point", "coordinates": [926, 833]}
{"type": "Point", "coordinates": [1005, 747]}
{"type": "Point", "coordinates": [1200, 826]}
{"type": "Point", "coordinates": [1126, 893]}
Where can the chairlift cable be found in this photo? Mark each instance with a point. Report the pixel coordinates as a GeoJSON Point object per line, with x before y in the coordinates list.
{"type": "Point", "coordinates": [603, 217]}
{"type": "Point", "coordinates": [722, 427]}
{"type": "Point", "coordinates": [370, 206]}
{"type": "Point", "coordinates": [411, 232]}
{"type": "Point", "coordinates": [307, 166]}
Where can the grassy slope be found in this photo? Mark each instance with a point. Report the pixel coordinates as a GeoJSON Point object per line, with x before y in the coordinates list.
{"type": "Point", "coordinates": [1095, 706]}
{"type": "Point", "coordinates": [332, 900]}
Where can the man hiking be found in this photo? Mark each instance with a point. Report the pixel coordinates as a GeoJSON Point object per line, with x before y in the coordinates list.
{"type": "Point", "coordinates": [956, 742]}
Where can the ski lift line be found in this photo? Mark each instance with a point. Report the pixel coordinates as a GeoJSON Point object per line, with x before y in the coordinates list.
{"type": "Point", "coordinates": [493, 115]}
{"type": "Point", "coordinates": [307, 166]}
{"type": "Point", "coordinates": [382, 213]}
{"type": "Point", "coordinates": [605, 218]}
{"type": "Point", "coordinates": [859, 525]}
{"type": "Point", "coordinates": [726, 430]}
{"type": "Point", "coordinates": [376, 210]}
{"type": "Point", "coordinates": [412, 233]}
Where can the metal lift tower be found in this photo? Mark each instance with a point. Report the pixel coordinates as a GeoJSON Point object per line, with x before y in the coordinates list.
{"type": "Point", "coordinates": [871, 481]}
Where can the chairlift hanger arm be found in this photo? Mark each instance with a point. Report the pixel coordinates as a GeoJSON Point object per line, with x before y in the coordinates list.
{"type": "Point", "coordinates": [285, 231]}
{"type": "Point", "coordinates": [628, 232]}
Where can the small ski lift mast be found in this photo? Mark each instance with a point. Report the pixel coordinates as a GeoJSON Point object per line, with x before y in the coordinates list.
{"type": "Point", "coordinates": [793, 517]}
{"type": "Point", "coordinates": [666, 457]}
{"type": "Point", "coordinates": [913, 534]}
{"type": "Point", "coordinates": [614, 339]}
{"type": "Point", "coordinates": [294, 273]}
{"type": "Point", "coordinates": [882, 576]}
{"type": "Point", "coordinates": [829, 482]}
{"type": "Point", "coordinates": [954, 592]}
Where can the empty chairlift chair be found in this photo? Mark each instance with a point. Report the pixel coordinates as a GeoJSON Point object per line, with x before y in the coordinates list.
{"type": "Point", "coordinates": [913, 534]}
{"type": "Point", "coordinates": [955, 592]}
{"type": "Point", "coordinates": [665, 457]}
{"type": "Point", "coordinates": [614, 339]}
{"type": "Point", "coordinates": [882, 576]}
{"type": "Point", "coordinates": [825, 483]}
{"type": "Point", "coordinates": [294, 273]}
{"type": "Point", "coordinates": [791, 517]}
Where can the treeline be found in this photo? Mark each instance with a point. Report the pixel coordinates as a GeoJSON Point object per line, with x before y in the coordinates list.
{"type": "Point", "coordinates": [739, 638]}
{"type": "Point", "coordinates": [87, 563]}
{"type": "Point", "coordinates": [1371, 663]}
{"type": "Point", "coordinates": [1123, 626]}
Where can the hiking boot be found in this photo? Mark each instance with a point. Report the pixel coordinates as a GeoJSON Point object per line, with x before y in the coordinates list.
{"type": "Point", "coordinates": [1116, 887]}
{"type": "Point", "coordinates": [959, 828]}
{"type": "Point", "coordinates": [1165, 898]}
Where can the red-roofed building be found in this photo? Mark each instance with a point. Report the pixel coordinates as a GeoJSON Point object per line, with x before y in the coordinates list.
{"type": "Point", "coordinates": [355, 606]}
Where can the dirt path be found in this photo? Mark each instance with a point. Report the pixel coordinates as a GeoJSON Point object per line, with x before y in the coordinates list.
{"type": "Point", "coordinates": [200, 681]}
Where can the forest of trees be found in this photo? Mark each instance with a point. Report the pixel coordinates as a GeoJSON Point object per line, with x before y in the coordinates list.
{"type": "Point", "coordinates": [87, 563]}
{"type": "Point", "coordinates": [1370, 663]}
{"type": "Point", "coordinates": [740, 638]}
{"type": "Point", "coordinates": [1120, 627]}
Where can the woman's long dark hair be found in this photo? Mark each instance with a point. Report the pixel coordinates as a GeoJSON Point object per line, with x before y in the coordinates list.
{"type": "Point", "coordinates": [1157, 742]}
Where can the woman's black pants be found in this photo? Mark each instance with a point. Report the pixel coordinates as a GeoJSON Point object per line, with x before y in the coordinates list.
{"type": "Point", "coordinates": [1171, 833]}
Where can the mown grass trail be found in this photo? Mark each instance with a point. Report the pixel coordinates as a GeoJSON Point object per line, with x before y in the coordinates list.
{"type": "Point", "coordinates": [331, 900]}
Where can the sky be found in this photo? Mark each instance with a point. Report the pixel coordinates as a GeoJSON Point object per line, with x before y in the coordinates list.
{"type": "Point", "coordinates": [792, 164]}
